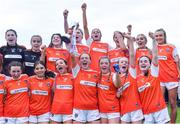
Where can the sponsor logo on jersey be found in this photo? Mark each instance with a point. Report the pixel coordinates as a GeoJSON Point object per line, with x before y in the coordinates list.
{"type": "Point", "coordinates": [64, 87]}
{"type": "Point", "coordinates": [99, 50]}
{"type": "Point", "coordinates": [30, 64]}
{"type": "Point", "coordinates": [124, 87]}
{"type": "Point", "coordinates": [39, 92]}
{"type": "Point", "coordinates": [103, 87]}
{"type": "Point", "coordinates": [162, 57]}
{"type": "Point", "coordinates": [142, 88]}
{"type": "Point", "coordinates": [13, 56]}
{"type": "Point", "coordinates": [53, 59]}
{"type": "Point", "coordinates": [1, 91]}
{"type": "Point", "coordinates": [19, 90]}
{"type": "Point", "coordinates": [88, 83]}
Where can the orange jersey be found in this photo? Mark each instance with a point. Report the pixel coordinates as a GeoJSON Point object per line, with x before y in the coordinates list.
{"type": "Point", "coordinates": [40, 95]}
{"type": "Point", "coordinates": [63, 95]}
{"type": "Point", "coordinates": [85, 89]}
{"type": "Point", "coordinates": [167, 66]}
{"type": "Point", "coordinates": [108, 102]}
{"type": "Point", "coordinates": [151, 96]}
{"type": "Point", "coordinates": [139, 53]}
{"type": "Point", "coordinates": [54, 54]}
{"type": "Point", "coordinates": [97, 50]}
{"type": "Point", "coordinates": [115, 54]}
{"type": "Point", "coordinates": [2, 79]}
{"type": "Point", "coordinates": [17, 98]}
{"type": "Point", "coordinates": [129, 99]}
{"type": "Point", "coordinates": [80, 50]}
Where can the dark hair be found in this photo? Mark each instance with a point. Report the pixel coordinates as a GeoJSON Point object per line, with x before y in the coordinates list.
{"type": "Point", "coordinates": [15, 63]}
{"type": "Point", "coordinates": [47, 73]}
{"type": "Point", "coordinates": [51, 44]}
{"type": "Point", "coordinates": [65, 39]}
{"type": "Point", "coordinates": [119, 33]}
{"type": "Point", "coordinates": [36, 36]}
{"type": "Point", "coordinates": [64, 62]}
{"type": "Point", "coordinates": [12, 31]}
{"type": "Point", "coordinates": [164, 32]}
{"type": "Point", "coordinates": [105, 57]}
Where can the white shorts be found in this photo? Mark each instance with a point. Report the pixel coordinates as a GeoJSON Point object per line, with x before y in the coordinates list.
{"type": "Point", "coordinates": [160, 117]}
{"type": "Point", "coordinates": [60, 117]}
{"type": "Point", "coordinates": [40, 118]}
{"type": "Point", "coordinates": [19, 120]}
{"type": "Point", "coordinates": [133, 116]}
{"type": "Point", "coordinates": [110, 115]}
{"type": "Point", "coordinates": [85, 115]}
{"type": "Point", "coordinates": [2, 120]}
{"type": "Point", "coordinates": [169, 85]}
{"type": "Point", "coordinates": [179, 91]}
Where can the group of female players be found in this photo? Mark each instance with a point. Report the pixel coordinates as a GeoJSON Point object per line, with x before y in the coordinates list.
{"type": "Point", "coordinates": [91, 83]}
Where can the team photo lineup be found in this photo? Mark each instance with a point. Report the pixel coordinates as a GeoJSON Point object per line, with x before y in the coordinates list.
{"type": "Point", "coordinates": [67, 81]}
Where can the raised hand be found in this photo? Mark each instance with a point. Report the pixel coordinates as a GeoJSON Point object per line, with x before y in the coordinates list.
{"type": "Point", "coordinates": [151, 35]}
{"type": "Point", "coordinates": [75, 26]}
{"type": "Point", "coordinates": [129, 27]}
{"type": "Point", "coordinates": [65, 13]}
{"type": "Point", "coordinates": [43, 48]}
{"type": "Point", "coordinates": [128, 36]}
{"type": "Point", "coordinates": [84, 6]}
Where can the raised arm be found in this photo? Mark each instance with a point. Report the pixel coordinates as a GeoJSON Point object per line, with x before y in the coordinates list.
{"type": "Point", "coordinates": [66, 26]}
{"type": "Point", "coordinates": [178, 66]}
{"type": "Point", "coordinates": [73, 49]}
{"type": "Point", "coordinates": [85, 24]}
{"type": "Point", "coordinates": [177, 61]}
{"type": "Point", "coordinates": [129, 27]}
{"type": "Point", "coordinates": [154, 49]}
{"type": "Point", "coordinates": [43, 53]}
{"type": "Point", "coordinates": [130, 41]}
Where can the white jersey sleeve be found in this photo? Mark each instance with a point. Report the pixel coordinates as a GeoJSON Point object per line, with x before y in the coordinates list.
{"type": "Point", "coordinates": [75, 71]}
{"type": "Point", "coordinates": [154, 70]}
{"type": "Point", "coordinates": [175, 54]}
{"type": "Point", "coordinates": [89, 41]}
{"type": "Point", "coordinates": [132, 72]}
